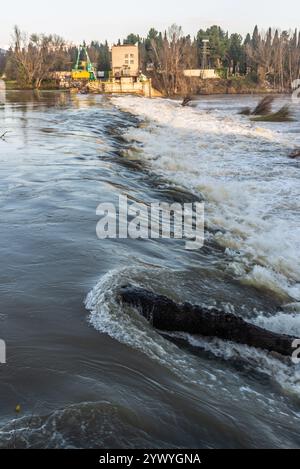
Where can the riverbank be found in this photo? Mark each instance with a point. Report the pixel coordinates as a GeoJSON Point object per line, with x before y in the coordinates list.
{"type": "Point", "coordinates": [234, 85]}
{"type": "Point", "coordinates": [231, 86]}
{"type": "Point", "coordinates": [13, 85]}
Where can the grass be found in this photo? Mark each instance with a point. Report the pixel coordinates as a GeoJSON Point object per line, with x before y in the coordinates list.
{"type": "Point", "coordinates": [283, 115]}
{"type": "Point", "coordinates": [11, 85]}
{"type": "Point", "coordinates": [46, 85]}
{"type": "Point", "coordinates": [246, 111]}
{"type": "Point", "coordinates": [263, 112]}
{"type": "Point", "coordinates": [264, 107]}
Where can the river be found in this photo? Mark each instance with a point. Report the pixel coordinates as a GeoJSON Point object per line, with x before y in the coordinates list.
{"type": "Point", "coordinates": [90, 374]}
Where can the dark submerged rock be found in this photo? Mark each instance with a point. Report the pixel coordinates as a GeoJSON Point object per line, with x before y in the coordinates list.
{"type": "Point", "coordinates": [166, 315]}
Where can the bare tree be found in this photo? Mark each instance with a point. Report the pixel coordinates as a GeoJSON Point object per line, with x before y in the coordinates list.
{"type": "Point", "coordinates": [171, 56]}
{"type": "Point", "coordinates": [35, 57]}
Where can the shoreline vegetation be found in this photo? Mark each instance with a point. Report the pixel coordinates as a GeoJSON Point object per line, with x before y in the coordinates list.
{"type": "Point", "coordinates": [282, 115]}
{"type": "Point", "coordinates": [207, 87]}
{"type": "Point", "coordinates": [261, 62]}
{"type": "Point", "coordinates": [263, 112]}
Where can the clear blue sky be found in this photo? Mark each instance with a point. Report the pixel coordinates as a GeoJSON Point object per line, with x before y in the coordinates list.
{"type": "Point", "coordinates": [95, 19]}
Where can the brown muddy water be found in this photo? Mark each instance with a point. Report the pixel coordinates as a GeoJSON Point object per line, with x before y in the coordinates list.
{"type": "Point", "coordinates": [89, 374]}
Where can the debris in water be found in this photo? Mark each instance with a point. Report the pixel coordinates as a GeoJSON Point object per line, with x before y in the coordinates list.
{"type": "Point", "coordinates": [264, 107]}
{"type": "Point", "coordinates": [186, 100]}
{"type": "Point", "coordinates": [283, 115]}
{"type": "Point", "coordinates": [246, 111]}
{"type": "Point", "coordinates": [18, 408]}
{"type": "Point", "coordinates": [2, 137]}
{"type": "Point", "coordinates": [295, 153]}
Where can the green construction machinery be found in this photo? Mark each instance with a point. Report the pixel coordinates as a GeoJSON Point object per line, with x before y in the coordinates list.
{"type": "Point", "coordinates": [83, 69]}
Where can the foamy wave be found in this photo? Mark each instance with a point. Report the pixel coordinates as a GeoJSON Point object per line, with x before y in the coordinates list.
{"type": "Point", "coordinates": [283, 373]}
{"type": "Point", "coordinates": [282, 323]}
{"type": "Point", "coordinates": [251, 192]}
{"type": "Point", "coordinates": [84, 425]}
{"type": "Point", "coordinates": [127, 326]}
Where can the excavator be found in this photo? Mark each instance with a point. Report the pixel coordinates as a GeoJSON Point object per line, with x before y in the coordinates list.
{"type": "Point", "coordinates": [83, 69]}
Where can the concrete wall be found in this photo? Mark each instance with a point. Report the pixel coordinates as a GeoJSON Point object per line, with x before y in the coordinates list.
{"type": "Point", "coordinates": [125, 85]}
{"type": "Point", "coordinates": [125, 60]}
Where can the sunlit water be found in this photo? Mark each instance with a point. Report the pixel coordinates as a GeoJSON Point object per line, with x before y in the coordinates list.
{"type": "Point", "coordinates": [91, 374]}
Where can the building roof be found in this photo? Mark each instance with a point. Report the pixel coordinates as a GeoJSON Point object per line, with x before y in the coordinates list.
{"type": "Point", "coordinates": [125, 45]}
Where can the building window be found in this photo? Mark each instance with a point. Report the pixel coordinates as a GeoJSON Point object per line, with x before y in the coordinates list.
{"type": "Point", "coordinates": [131, 56]}
{"type": "Point", "coordinates": [132, 62]}
{"type": "Point", "coordinates": [126, 56]}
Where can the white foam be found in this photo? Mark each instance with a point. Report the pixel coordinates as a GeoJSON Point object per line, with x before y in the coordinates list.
{"type": "Point", "coordinates": [282, 323]}
{"type": "Point", "coordinates": [127, 326]}
{"type": "Point", "coordinates": [251, 191]}
{"type": "Point", "coordinates": [283, 373]}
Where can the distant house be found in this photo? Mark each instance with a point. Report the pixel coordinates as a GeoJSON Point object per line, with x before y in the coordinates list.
{"type": "Point", "coordinates": [205, 74]}
{"type": "Point", "coordinates": [125, 61]}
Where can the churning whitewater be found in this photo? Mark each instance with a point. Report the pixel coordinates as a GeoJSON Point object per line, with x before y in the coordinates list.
{"type": "Point", "coordinates": [251, 192]}
{"type": "Point", "coordinates": [250, 188]}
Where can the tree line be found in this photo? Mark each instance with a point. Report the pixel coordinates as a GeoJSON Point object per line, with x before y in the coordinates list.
{"type": "Point", "coordinates": [270, 58]}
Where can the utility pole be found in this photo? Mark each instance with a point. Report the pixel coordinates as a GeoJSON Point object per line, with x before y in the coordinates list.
{"type": "Point", "coordinates": [205, 52]}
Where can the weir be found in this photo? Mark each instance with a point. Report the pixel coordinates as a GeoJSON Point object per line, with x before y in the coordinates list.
{"type": "Point", "coordinates": [123, 85]}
